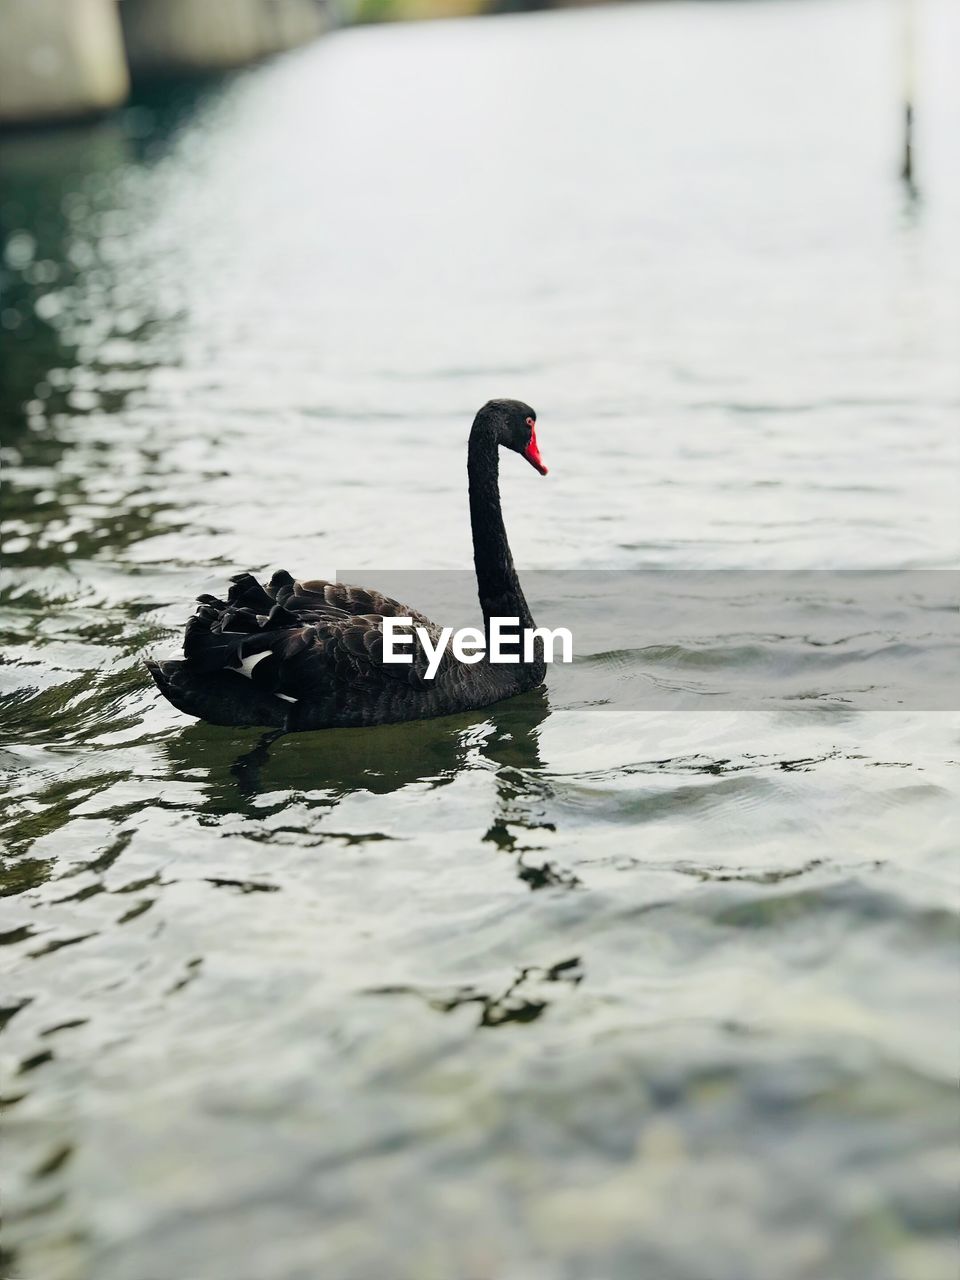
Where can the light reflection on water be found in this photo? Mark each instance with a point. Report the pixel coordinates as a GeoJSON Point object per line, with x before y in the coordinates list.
{"type": "Point", "coordinates": [493, 995]}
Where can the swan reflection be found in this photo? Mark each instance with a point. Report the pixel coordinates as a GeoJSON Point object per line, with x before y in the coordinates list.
{"type": "Point", "coordinates": [253, 779]}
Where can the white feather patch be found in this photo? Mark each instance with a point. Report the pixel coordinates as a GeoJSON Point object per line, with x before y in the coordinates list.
{"type": "Point", "coordinates": [286, 697]}
{"type": "Point", "coordinates": [247, 664]}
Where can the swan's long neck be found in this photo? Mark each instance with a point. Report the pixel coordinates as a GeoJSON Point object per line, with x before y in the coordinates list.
{"type": "Point", "coordinates": [497, 582]}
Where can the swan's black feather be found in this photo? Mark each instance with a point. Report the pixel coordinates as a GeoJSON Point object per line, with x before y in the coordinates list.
{"type": "Point", "coordinates": [218, 697]}
{"type": "Point", "coordinates": [246, 592]}
{"type": "Point", "coordinates": [315, 651]}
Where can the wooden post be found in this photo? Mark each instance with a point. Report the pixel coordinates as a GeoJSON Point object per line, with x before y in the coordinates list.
{"type": "Point", "coordinates": [908, 36]}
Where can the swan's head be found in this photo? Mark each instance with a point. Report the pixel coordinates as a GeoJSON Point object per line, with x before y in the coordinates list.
{"type": "Point", "coordinates": [515, 427]}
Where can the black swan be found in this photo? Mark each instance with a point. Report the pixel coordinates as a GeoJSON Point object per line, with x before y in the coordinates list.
{"type": "Point", "coordinates": [309, 655]}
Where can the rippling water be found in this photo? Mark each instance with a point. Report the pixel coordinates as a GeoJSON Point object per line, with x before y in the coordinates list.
{"type": "Point", "coordinates": [569, 989]}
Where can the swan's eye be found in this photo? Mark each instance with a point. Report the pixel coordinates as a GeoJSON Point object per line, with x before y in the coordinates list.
{"type": "Point", "coordinates": [530, 423]}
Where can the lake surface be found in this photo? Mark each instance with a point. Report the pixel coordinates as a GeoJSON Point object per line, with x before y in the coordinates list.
{"type": "Point", "coordinates": [578, 988]}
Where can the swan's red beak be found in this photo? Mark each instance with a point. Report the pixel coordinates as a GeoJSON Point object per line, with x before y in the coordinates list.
{"type": "Point", "coordinates": [532, 453]}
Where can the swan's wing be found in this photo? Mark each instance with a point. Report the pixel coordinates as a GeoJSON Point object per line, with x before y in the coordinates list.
{"type": "Point", "coordinates": [306, 640]}
{"type": "Point", "coordinates": [319, 657]}
{"type": "Point", "coordinates": [316, 596]}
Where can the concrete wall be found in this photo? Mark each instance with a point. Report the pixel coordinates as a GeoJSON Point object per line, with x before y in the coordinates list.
{"type": "Point", "coordinates": [165, 37]}
{"type": "Point", "coordinates": [59, 58]}
{"type": "Point", "coordinates": [67, 58]}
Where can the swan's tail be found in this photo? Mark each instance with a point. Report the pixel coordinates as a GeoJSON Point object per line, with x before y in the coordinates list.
{"type": "Point", "coordinates": [223, 643]}
{"type": "Point", "coordinates": [219, 697]}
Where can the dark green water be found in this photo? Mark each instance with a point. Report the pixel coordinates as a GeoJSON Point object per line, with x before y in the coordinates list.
{"type": "Point", "coordinates": [568, 990]}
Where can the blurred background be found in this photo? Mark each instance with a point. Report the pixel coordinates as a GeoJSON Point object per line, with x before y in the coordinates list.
{"type": "Point", "coordinates": [563, 990]}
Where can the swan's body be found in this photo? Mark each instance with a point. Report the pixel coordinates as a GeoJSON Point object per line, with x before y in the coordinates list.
{"type": "Point", "coordinates": [309, 655]}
